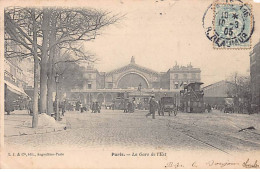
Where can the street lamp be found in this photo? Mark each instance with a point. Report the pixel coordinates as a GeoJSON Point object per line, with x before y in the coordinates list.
{"type": "Point", "coordinates": [140, 88]}
{"type": "Point", "coordinates": [56, 97]}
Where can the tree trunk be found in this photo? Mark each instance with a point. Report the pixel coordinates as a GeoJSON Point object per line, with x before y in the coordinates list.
{"type": "Point", "coordinates": [36, 61]}
{"type": "Point", "coordinates": [44, 61]}
{"type": "Point", "coordinates": [50, 82]}
{"type": "Point", "coordinates": [50, 85]}
{"type": "Point", "coordinates": [49, 93]}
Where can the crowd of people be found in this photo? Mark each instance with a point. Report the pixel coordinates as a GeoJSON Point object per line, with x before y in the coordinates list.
{"type": "Point", "coordinates": [66, 106]}
{"type": "Point", "coordinates": [129, 106]}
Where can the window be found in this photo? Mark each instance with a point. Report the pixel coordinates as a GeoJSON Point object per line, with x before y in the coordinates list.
{"type": "Point", "coordinates": [89, 86]}
{"type": "Point", "coordinates": [185, 76]}
{"type": "Point", "coordinates": [176, 76]}
{"type": "Point", "coordinates": [193, 76]}
{"type": "Point", "coordinates": [89, 76]}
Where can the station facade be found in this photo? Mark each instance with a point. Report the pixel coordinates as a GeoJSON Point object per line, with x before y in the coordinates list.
{"type": "Point", "coordinates": [135, 81]}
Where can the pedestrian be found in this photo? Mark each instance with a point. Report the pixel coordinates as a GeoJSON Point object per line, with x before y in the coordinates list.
{"type": "Point", "coordinates": [77, 105]}
{"type": "Point", "coordinates": [209, 108]}
{"type": "Point", "coordinates": [152, 107]}
{"type": "Point", "coordinates": [125, 106]}
{"type": "Point", "coordinates": [93, 107]}
{"type": "Point", "coordinates": [129, 107]}
{"type": "Point", "coordinates": [81, 107]}
{"type": "Point", "coordinates": [98, 107]}
{"type": "Point", "coordinates": [133, 105]}
{"type": "Point", "coordinates": [30, 107]}
{"type": "Point", "coordinates": [63, 108]}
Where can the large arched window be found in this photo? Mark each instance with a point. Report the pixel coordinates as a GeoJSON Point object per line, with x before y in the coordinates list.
{"type": "Point", "coordinates": [132, 80]}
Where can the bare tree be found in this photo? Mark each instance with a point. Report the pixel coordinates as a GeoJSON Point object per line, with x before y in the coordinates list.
{"type": "Point", "coordinates": [42, 31]}
{"type": "Point", "coordinates": [21, 28]}
{"type": "Point", "coordinates": [70, 27]}
{"type": "Point", "coordinates": [66, 58]}
{"type": "Point", "coordinates": [240, 90]}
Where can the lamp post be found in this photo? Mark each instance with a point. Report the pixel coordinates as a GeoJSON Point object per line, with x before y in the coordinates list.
{"type": "Point", "coordinates": [56, 97]}
{"type": "Point", "coordinates": [140, 88]}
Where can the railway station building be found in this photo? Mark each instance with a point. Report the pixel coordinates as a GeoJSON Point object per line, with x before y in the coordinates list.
{"type": "Point", "coordinates": [133, 80]}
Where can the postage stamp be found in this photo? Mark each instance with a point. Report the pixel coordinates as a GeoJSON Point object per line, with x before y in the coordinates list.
{"type": "Point", "coordinates": [233, 25]}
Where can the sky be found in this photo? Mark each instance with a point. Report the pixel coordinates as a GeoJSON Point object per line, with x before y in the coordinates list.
{"type": "Point", "coordinates": [160, 33]}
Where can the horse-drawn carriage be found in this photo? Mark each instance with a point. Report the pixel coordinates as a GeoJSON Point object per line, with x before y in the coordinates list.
{"type": "Point", "coordinates": [167, 104]}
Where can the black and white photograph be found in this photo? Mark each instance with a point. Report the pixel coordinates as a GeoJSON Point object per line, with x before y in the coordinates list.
{"type": "Point", "coordinates": [130, 84]}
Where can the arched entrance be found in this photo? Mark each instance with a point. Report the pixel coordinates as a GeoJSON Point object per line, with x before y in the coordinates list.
{"type": "Point", "coordinates": [108, 98]}
{"type": "Point", "coordinates": [132, 80]}
{"type": "Point", "coordinates": [100, 98]}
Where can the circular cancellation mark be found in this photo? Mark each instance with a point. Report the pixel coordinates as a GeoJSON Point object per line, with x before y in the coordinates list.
{"type": "Point", "coordinates": [229, 25]}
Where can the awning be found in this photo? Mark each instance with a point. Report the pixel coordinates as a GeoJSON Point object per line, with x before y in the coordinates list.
{"type": "Point", "coordinates": [16, 89]}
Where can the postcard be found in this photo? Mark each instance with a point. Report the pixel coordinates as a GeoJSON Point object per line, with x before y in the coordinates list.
{"type": "Point", "coordinates": [130, 84]}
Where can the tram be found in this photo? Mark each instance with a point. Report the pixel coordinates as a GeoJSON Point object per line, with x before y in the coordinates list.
{"type": "Point", "coordinates": [192, 98]}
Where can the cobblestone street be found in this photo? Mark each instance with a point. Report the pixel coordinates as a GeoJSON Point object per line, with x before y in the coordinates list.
{"type": "Point", "coordinates": [209, 131]}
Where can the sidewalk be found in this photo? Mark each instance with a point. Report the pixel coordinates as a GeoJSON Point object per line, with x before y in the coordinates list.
{"type": "Point", "coordinates": [20, 123]}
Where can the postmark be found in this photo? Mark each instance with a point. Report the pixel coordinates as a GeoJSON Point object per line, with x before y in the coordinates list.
{"type": "Point", "coordinates": [229, 25]}
{"type": "Point", "coordinates": [232, 25]}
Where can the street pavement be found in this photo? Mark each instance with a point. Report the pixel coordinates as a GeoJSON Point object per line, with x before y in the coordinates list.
{"type": "Point", "coordinates": [20, 123]}
{"type": "Point", "coordinates": [208, 131]}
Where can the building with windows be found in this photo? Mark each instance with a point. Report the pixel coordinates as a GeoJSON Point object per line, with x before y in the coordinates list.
{"type": "Point", "coordinates": [15, 82]}
{"type": "Point", "coordinates": [135, 81]}
{"type": "Point", "coordinates": [255, 74]}
{"type": "Point", "coordinates": [18, 77]}
{"type": "Point", "coordinates": [18, 70]}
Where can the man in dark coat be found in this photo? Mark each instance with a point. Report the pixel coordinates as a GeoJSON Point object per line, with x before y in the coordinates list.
{"type": "Point", "coordinates": [152, 107]}
{"type": "Point", "coordinates": [129, 107]}
{"type": "Point", "coordinates": [209, 108]}
{"type": "Point", "coordinates": [93, 107]}
{"type": "Point", "coordinates": [98, 108]}
{"type": "Point", "coordinates": [125, 106]}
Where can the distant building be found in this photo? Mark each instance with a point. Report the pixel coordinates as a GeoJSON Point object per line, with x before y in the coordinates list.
{"type": "Point", "coordinates": [13, 73]}
{"type": "Point", "coordinates": [135, 80]}
{"type": "Point", "coordinates": [18, 70]}
{"type": "Point", "coordinates": [18, 76]}
{"type": "Point", "coordinates": [255, 74]}
{"type": "Point", "coordinates": [215, 94]}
